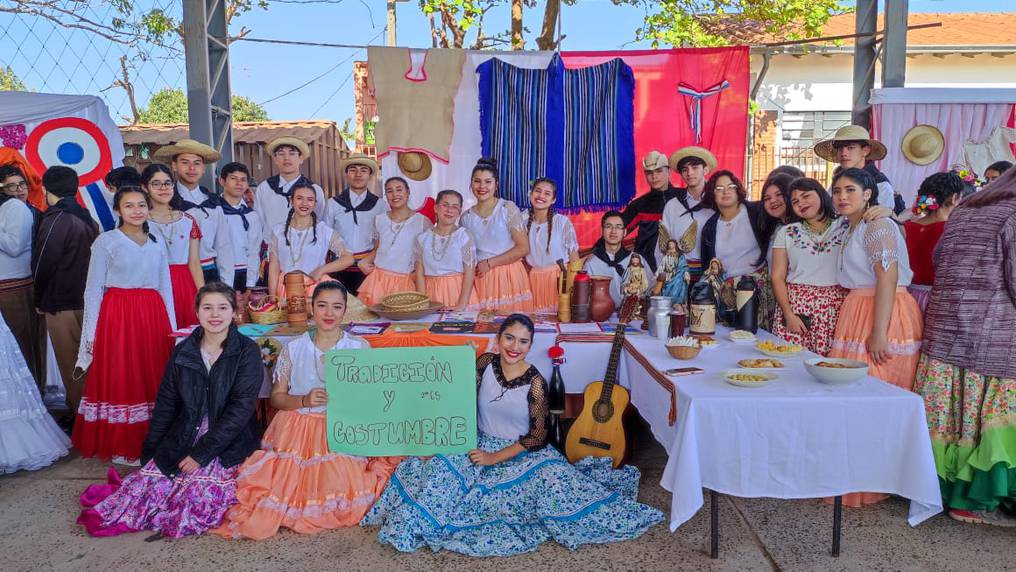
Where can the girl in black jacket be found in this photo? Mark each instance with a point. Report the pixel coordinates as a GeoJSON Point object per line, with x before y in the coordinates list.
{"type": "Point", "coordinates": [202, 428]}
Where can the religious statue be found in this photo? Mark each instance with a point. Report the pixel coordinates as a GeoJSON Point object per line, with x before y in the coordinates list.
{"type": "Point", "coordinates": [722, 291]}
{"type": "Point", "coordinates": [635, 281]}
{"type": "Point", "coordinates": [672, 277]}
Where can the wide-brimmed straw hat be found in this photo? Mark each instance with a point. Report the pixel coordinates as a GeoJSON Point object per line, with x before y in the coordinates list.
{"type": "Point", "coordinates": [415, 165]}
{"type": "Point", "coordinates": [850, 133]}
{"type": "Point", "coordinates": [359, 159]}
{"type": "Point", "coordinates": [289, 141]}
{"type": "Point", "coordinates": [654, 160]}
{"type": "Point", "coordinates": [693, 151]}
{"type": "Point", "coordinates": [923, 144]}
{"type": "Point", "coordinates": [165, 154]}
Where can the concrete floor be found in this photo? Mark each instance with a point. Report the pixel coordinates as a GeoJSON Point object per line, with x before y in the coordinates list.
{"type": "Point", "coordinates": [37, 532]}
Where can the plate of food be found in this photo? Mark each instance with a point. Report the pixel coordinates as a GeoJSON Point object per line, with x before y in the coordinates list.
{"type": "Point", "coordinates": [706, 342]}
{"type": "Point", "coordinates": [778, 349]}
{"type": "Point", "coordinates": [760, 363]}
{"type": "Point", "coordinates": [748, 377]}
{"type": "Point", "coordinates": [836, 371]}
{"type": "Point", "coordinates": [742, 336]}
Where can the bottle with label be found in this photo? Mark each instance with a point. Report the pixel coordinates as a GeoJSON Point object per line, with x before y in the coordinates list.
{"type": "Point", "coordinates": [746, 315]}
{"type": "Point", "coordinates": [702, 311]}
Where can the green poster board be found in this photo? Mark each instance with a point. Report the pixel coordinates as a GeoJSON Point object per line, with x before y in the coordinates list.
{"type": "Point", "coordinates": [401, 401]}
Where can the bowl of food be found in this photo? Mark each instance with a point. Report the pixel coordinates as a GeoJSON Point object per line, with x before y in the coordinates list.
{"type": "Point", "coordinates": [836, 371]}
{"type": "Point", "coordinates": [742, 336]}
{"type": "Point", "coordinates": [778, 349]}
{"type": "Point", "coordinates": [760, 363]}
{"type": "Point", "coordinates": [683, 347]}
{"type": "Point", "coordinates": [748, 377]}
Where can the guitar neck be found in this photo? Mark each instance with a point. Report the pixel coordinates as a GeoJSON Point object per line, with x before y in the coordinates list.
{"type": "Point", "coordinates": [610, 378]}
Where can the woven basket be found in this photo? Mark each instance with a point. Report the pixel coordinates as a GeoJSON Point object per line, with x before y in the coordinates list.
{"type": "Point", "coordinates": [406, 301]}
{"type": "Point", "coordinates": [683, 352]}
{"type": "Point", "coordinates": [276, 315]}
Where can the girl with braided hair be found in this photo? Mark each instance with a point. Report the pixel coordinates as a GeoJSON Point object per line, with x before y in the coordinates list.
{"type": "Point", "coordinates": [550, 239]}
{"type": "Point", "coordinates": [302, 243]}
{"type": "Point", "coordinates": [938, 195]}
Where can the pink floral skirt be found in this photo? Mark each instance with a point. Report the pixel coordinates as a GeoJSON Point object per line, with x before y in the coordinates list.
{"type": "Point", "coordinates": [188, 505]}
{"type": "Point", "coordinates": [822, 305]}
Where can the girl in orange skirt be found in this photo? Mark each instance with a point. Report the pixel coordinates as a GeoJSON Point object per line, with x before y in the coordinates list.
{"type": "Point", "coordinates": [302, 244]}
{"type": "Point", "coordinates": [497, 226]}
{"type": "Point", "coordinates": [180, 235]}
{"type": "Point", "coordinates": [293, 481]}
{"type": "Point", "coordinates": [446, 257]}
{"type": "Point", "coordinates": [879, 322]}
{"type": "Point", "coordinates": [391, 265]}
{"type": "Point", "coordinates": [550, 239]}
{"type": "Point", "coordinates": [128, 304]}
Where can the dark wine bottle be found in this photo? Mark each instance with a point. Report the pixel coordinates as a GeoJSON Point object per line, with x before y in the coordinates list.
{"type": "Point", "coordinates": [555, 393]}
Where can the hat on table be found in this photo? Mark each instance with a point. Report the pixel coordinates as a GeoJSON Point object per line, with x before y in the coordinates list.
{"type": "Point", "coordinates": [415, 165]}
{"type": "Point", "coordinates": [850, 134]}
{"type": "Point", "coordinates": [168, 152]}
{"type": "Point", "coordinates": [693, 151]}
{"type": "Point", "coordinates": [293, 142]}
{"type": "Point", "coordinates": [923, 144]}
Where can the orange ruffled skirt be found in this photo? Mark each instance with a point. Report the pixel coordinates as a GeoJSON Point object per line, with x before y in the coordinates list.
{"type": "Point", "coordinates": [505, 289]}
{"type": "Point", "coordinates": [293, 481]}
{"type": "Point", "coordinates": [544, 284]}
{"type": "Point", "coordinates": [381, 283]}
{"type": "Point", "coordinates": [906, 330]}
{"type": "Point", "coordinates": [447, 289]}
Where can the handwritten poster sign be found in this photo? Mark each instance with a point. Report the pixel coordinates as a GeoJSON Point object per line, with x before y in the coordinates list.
{"type": "Point", "coordinates": [401, 401]}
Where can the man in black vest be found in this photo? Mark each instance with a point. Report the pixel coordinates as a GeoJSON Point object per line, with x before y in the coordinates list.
{"type": "Point", "coordinates": [644, 212]}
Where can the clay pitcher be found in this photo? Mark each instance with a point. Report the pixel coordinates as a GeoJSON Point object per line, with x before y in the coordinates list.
{"type": "Point", "coordinates": [602, 305]}
{"type": "Point", "coordinates": [296, 299]}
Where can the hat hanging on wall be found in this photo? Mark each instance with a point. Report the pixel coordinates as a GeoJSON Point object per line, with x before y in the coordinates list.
{"type": "Point", "coordinates": [923, 144]}
{"type": "Point", "coordinates": [415, 165]}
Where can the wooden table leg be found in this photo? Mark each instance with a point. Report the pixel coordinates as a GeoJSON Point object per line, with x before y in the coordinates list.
{"type": "Point", "coordinates": [837, 517]}
{"type": "Point", "coordinates": [714, 525]}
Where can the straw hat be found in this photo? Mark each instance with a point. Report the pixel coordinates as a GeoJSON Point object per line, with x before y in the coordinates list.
{"type": "Point", "coordinates": [165, 154]}
{"type": "Point", "coordinates": [415, 165]}
{"type": "Point", "coordinates": [923, 144]}
{"type": "Point", "coordinates": [693, 151]}
{"type": "Point", "coordinates": [825, 149]}
{"type": "Point", "coordinates": [359, 159]}
{"type": "Point", "coordinates": [654, 160]}
{"type": "Point", "coordinates": [290, 141]}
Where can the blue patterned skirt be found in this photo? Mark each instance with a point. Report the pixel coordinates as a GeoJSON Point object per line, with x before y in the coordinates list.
{"type": "Point", "coordinates": [447, 503]}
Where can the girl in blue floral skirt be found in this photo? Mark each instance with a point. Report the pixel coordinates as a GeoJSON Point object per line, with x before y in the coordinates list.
{"type": "Point", "coordinates": [511, 493]}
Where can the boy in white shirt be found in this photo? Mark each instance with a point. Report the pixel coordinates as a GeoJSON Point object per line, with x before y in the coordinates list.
{"type": "Point", "coordinates": [271, 199]}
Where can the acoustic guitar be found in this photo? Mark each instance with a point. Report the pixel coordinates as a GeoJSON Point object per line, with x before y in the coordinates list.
{"type": "Point", "coordinates": [597, 431]}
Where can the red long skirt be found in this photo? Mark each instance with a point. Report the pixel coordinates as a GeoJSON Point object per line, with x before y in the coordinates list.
{"type": "Point", "coordinates": [184, 293]}
{"type": "Point", "coordinates": [131, 349]}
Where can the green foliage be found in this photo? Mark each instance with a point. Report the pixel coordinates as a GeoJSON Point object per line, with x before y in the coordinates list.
{"type": "Point", "coordinates": [466, 13]}
{"type": "Point", "coordinates": [9, 81]}
{"type": "Point", "coordinates": [726, 22]}
{"type": "Point", "coordinates": [170, 106]}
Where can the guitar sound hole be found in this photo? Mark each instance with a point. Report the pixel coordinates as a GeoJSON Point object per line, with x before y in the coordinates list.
{"type": "Point", "coordinates": [603, 411]}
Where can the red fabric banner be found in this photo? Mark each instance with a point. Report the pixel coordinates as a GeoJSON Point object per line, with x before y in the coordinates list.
{"type": "Point", "coordinates": [663, 116]}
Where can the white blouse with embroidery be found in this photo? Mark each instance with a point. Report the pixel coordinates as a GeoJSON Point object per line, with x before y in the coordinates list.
{"type": "Point", "coordinates": [119, 262]}
{"type": "Point", "coordinates": [304, 253]}
{"type": "Point", "coordinates": [562, 241]}
{"type": "Point", "coordinates": [812, 259]}
{"type": "Point", "coordinates": [176, 237]}
{"type": "Point", "coordinates": [877, 242]}
{"type": "Point", "coordinates": [396, 251]}
{"type": "Point", "coordinates": [301, 365]}
{"type": "Point", "coordinates": [445, 255]}
{"type": "Point", "coordinates": [493, 234]}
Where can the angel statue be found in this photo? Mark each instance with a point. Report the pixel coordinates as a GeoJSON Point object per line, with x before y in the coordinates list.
{"type": "Point", "coordinates": [672, 276]}
{"type": "Point", "coordinates": [723, 292]}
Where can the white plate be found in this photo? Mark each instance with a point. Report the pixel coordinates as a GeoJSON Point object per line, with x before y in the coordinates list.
{"type": "Point", "coordinates": [750, 340]}
{"type": "Point", "coordinates": [779, 355]}
{"type": "Point", "coordinates": [769, 374]}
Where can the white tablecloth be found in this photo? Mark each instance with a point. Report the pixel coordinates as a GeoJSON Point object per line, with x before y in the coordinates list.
{"type": "Point", "coordinates": [793, 438]}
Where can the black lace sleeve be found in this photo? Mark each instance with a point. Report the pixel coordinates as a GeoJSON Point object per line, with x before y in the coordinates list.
{"type": "Point", "coordinates": [536, 438]}
{"type": "Point", "coordinates": [482, 363]}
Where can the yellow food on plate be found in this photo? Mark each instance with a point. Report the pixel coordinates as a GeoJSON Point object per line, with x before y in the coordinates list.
{"type": "Point", "coordinates": [749, 377]}
{"type": "Point", "coordinates": [706, 341]}
{"type": "Point", "coordinates": [835, 365]}
{"type": "Point", "coordinates": [776, 347]}
{"type": "Point", "coordinates": [755, 363]}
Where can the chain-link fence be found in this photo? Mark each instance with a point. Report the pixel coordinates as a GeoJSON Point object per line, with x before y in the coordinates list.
{"type": "Point", "coordinates": [106, 48]}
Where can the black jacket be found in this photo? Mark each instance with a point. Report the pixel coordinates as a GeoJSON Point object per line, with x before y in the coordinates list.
{"type": "Point", "coordinates": [755, 214]}
{"type": "Point", "coordinates": [644, 213]}
{"type": "Point", "coordinates": [229, 395]}
{"type": "Point", "coordinates": [61, 250]}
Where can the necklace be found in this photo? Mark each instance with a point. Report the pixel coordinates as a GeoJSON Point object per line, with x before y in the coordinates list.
{"type": "Point", "coordinates": [817, 233]}
{"type": "Point", "coordinates": [303, 241]}
{"type": "Point", "coordinates": [160, 227]}
{"type": "Point", "coordinates": [397, 228]}
{"type": "Point", "coordinates": [439, 254]}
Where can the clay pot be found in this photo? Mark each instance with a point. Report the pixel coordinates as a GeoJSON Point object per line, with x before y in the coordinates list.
{"type": "Point", "coordinates": [601, 305]}
{"type": "Point", "coordinates": [581, 297]}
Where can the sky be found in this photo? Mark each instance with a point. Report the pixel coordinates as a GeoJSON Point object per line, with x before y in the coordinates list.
{"type": "Point", "coordinates": [263, 72]}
